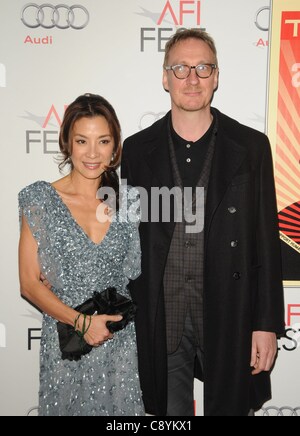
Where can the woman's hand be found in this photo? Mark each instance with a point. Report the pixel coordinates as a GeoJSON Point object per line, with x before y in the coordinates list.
{"type": "Point", "coordinates": [98, 332]}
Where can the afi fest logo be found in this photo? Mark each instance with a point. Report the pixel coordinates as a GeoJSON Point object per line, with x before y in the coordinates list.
{"type": "Point", "coordinates": [2, 336]}
{"type": "Point", "coordinates": [291, 340]}
{"type": "Point", "coordinates": [46, 137]}
{"type": "Point", "coordinates": [2, 76]}
{"type": "Point", "coordinates": [178, 14]}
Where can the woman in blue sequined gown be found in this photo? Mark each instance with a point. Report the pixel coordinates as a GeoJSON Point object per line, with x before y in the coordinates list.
{"type": "Point", "coordinates": [64, 237]}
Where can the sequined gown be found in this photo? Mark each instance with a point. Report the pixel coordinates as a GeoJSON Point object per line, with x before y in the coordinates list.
{"type": "Point", "coordinates": [105, 382]}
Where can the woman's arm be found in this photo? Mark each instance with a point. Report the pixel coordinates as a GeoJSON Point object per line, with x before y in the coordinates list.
{"type": "Point", "coordinates": [31, 287]}
{"type": "Point", "coordinates": [33, 290]}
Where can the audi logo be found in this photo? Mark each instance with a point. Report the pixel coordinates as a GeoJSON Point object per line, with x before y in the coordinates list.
{"type": "Point", "coordinates": [61, 16]}
{"type": "Point", "coordinates": [258, 23]}
{"type": "Point", "coordinates": [280, 411]}
{"type": "Point", "coordinates": [148, 118]}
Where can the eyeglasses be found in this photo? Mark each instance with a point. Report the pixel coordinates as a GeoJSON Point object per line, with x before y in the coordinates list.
{"type": "Point", "coordinates": [204, 71]}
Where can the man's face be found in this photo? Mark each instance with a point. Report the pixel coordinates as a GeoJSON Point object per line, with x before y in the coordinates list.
{"type": "Point", "coordinates": [191, 94]}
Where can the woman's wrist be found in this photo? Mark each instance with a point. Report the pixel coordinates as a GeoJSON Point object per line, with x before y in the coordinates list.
{"type": "Point", "coordinates": [82, 323]}
{"type": "Point", "coordinates": [76, 322]}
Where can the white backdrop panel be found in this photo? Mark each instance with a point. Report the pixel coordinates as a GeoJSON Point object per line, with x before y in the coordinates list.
{"type": "Point", "coordinates": [119, 55]}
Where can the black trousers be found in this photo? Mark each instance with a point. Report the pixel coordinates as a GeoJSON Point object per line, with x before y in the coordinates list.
{"type": "Point", "coordinates": [181, 369]}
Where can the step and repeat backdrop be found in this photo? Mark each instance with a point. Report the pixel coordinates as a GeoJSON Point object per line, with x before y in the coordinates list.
{"type": "Point", "coordinates": [50, 53]}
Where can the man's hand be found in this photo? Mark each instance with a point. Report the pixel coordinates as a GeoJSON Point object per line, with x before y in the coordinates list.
{"type": "Point", "coordinates": [264, 351]}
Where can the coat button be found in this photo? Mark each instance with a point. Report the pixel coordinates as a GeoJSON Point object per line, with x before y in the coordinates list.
{"type": "Point", "coordinates": [232, 210]}
{"type": "Point", "coordinates": [237, 276]}
{"type": "Point", "coordinates": [234, 244]}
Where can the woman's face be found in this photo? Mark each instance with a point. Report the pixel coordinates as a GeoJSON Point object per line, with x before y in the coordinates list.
{"type": "Point", "coordinates": [92, 147]}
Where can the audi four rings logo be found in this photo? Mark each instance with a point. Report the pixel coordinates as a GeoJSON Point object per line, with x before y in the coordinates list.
{"type": "Point", "coordinates": [280, 411]}
{"type": "Point", "coordinates": [61, 16]}
{"type": "Point", "coordinates": [258, 20]}
{"type": "Point", "coordinates": [148, 118]}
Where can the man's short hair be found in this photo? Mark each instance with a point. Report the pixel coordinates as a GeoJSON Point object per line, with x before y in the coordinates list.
{"type": "Point", "coordinates": [183, 35]}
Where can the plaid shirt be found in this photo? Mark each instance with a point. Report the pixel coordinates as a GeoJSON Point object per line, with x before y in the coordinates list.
{"type": "Point", "coordinates": [184, 273]}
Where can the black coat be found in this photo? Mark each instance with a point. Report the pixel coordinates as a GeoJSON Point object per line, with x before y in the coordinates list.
{"type": "Point", "coordinates": [242, 284]}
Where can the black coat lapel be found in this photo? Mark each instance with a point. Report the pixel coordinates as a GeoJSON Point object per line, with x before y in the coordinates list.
{"type": "Point", "coordinates": [159, 161]}
{"type": "Point", "coordinates": [229, 156]}
{"type": "Point", "coordinates": [158, 156]}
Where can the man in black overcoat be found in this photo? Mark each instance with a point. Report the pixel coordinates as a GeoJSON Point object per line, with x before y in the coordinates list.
{"type": "Point", "coordinates": [210, 304]}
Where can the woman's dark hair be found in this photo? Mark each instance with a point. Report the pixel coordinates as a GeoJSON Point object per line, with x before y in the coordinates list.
{"type": "Point", "coordinates": [89, 106]}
